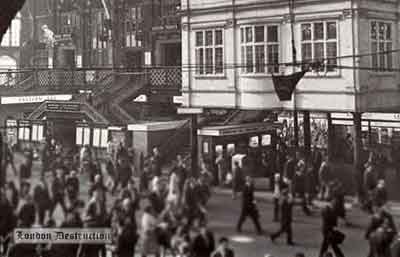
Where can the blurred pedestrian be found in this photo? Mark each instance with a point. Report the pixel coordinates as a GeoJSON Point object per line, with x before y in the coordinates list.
{"type": "Point", "coordinates": [286, 218]}
{"type": "Point", "coordinates": [249, 207]}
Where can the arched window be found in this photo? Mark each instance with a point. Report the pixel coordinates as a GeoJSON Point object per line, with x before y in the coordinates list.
{"type": "Point", "coordinates": [12, 36]}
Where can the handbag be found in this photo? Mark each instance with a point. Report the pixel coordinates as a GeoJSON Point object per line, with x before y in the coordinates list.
{"type": "Point", "coordinates": [337, 237]}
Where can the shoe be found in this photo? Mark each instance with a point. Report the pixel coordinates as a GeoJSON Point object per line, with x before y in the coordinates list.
{"type": "Point", "coordinates": [291, 243]}
{"type": "Point", "coordinates": [272, 238]}
{"type": "Point", "coordinates": [239, 231]}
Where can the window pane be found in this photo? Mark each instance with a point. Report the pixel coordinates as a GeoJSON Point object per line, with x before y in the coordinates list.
{"type": "Point", "coordinates": [249, 58]}
{"type": "Point", "coordinates": [388, 31]}
{"type": "Point", "coordinates": [331, 34]}
{"type": "Point", "coordinates": [373, 30]}
{"type": "Point", "coordinates": [209, 37]}
{"type": "Point", "coordinates": [306, 54]}
{"type": "Point", "coordinates": [260, 58]}
{"type": "Point", "coordinates": [382, 56]}
{"type": "Point", "coordinates": [259, 31]}
{"type": "Point", "coordinates": [218, 37]}
{"type": "Point", "coordinates": [306, 32]}
{"type": "Point", "coordinates": [272, 33]}
{"type": "Point", "coordinates": [243, 56]}
{"type": "Point", "coordinates": [96, 137]}
{"type": "Point", "coordinates": [389, 55]}
{"type": "Point", "coordinates": [199, 38]}
{"type": "Point", "coordinates": [199, 61]}
{"type": "Point", "coordinates": [374, 60]}
{"type": "Point", "coordinates": [209, 61]}
{"type": "Point", "coordinates": [249, 34]}
{"type": "Point", "coordinates": [219, 60]}
{"type": "Point", "coordinates": [318, 51]}
{"type": "Point", "coordinates": [381, 30]}
{"type": "Point", "coordinates": [318, 31]}
{"type": "Point", "coordinates": [331, 49]}
{"type": "Point", "coordinates": [241, 35]}
{"type": "Point", "coordinates": [273, 58]}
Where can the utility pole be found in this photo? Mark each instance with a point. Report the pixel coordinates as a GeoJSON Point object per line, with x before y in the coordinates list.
{"type": "Point", "coordinates": [294, 60]}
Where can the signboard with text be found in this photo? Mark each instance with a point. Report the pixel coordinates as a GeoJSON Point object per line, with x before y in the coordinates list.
{"type": "Point", "coordinates": [33, 99]}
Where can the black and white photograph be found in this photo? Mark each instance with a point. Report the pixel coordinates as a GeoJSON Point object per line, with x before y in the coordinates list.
{"type": "Point", "coordinates": [199, 128]}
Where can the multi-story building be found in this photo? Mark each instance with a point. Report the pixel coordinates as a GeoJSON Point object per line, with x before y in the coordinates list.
{"type": "Point", "coordinates": [103, 60]}
{"type": "Point", "coordinates": [231, 49]}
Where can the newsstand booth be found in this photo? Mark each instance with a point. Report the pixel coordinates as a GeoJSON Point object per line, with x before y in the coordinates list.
{"type": "Point", "coordinates": [246, 139]}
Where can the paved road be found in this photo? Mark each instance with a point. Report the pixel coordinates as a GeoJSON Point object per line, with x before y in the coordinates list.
{"type": "Point", "coordinates": [223, 214]}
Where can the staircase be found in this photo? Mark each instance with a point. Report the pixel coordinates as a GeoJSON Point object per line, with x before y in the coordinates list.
{"type": "Point", "coordinates": [110, 98]}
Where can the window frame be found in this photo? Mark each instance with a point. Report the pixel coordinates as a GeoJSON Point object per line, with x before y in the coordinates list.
{"type": "Point", "coordinates": [325, 41]}
{"type": "Point", "coordinates": [253, 44]}
{"type": "Point", "coordinates": [201, 69]}
{"type": "Point", "coordinates": [378, 42]}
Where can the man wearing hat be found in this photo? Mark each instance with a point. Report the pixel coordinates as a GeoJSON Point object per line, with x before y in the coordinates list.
{"type": "Point", "coordinates": [286, 218]}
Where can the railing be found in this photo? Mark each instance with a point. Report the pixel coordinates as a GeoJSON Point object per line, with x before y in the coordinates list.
{"type": "Point", "coordinates": [100, 80]}
{"type": "Point", "coordinates": [68, 78]}
{"type": "Point", "coordinates": [15, 78]}
{"type": "Point", "coordinates": [165, 76]}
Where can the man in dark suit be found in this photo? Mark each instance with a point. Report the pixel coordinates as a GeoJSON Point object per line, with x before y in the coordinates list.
{"type": "Point", "coordinates": [223, 249]}
{"type": "Point", "coordinates": [286, 207]}
{"type": "Point", "coordinates": [329, 223]}
{"type": "Point", "coordinates": [249, 208]}
{"type": "Point", "coordinates": [203, 244]}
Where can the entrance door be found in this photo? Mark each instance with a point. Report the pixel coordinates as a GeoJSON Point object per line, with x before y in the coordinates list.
{"type": "Point", "coordinates": [133, 59]}
{"type": "Point", "coordinates": [172, 55]}
{"type": "Point", "coordinates": [64, 131]}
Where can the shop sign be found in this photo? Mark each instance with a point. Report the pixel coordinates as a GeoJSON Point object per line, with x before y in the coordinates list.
{"type": "Point", "coordinates": [72, 107]}
{"type": "Point", "coordinates": [33, 99]}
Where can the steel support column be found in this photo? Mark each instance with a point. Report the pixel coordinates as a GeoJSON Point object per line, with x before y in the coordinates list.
{"type": "Point", "coordinates": [357, 145]}
{"type": "Point", "coordinates": [307, 133]}
{"type": "Point", "coordinates": [194, 145]}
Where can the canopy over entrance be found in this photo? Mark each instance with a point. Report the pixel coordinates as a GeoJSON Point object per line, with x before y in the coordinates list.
{"type": "Point", "coordinates": [68, 110]}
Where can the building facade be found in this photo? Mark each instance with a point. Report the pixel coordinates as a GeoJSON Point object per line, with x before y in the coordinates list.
{"type": "Point", "coordinates": [230, 49]}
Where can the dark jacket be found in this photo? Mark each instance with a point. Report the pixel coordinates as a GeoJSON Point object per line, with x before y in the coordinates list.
{"type": "Point", "coordinates": [26, 215]}
{"type": "Point", "coordinates": [58, 187]}
{"type": "Point", "coordinates": [299, 183]}
{"type": "Point", "coordinates": [41, 196]}
{"type": "Point", "coordinates": [286, 212]}
{"type": "Point", "coordinates": [290, 169]}
{"type": "Point", "coordinates": [248, 197]}
{"type": "Point", "coordinates": [202, 247]}
{"type": "Point", "coordinates": [72, 185]}
{"type": "Point", "coordinates": [329, 219]}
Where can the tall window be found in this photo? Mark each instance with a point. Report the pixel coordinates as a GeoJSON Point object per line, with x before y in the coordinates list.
{"type": "Point", "coordinates": [133, 27]}
{"type": "Point", "coordinates": [210, 52]}
{"type": "Point", "coordinates": [319, 42]}
{"type": "Point", "coordinates": [381, 41]}
{"type": "Point", "coordinates": [99, 55]}
{"type": "Point", "coordinates": [12, 36]}
{"type": "Point", "coordinates": [260, 49]}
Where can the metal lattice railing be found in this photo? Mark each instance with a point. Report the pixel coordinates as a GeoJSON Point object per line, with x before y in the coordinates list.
{"type": "Point", "coordinates": [15, 78]}
{"type": "Point", "coordinates": [165, 77]}
{"type": "Point", "coordinates": [103, 79]}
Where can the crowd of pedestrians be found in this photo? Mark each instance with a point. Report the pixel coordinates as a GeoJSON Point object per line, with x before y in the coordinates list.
{"type": "Point", "coordinates": [163, 212]}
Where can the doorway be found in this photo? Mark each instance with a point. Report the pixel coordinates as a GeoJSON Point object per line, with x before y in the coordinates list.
{"type": "Point", "coordinates": [172, 54]}
{"type": "Point", "coordinates": [63, 131]}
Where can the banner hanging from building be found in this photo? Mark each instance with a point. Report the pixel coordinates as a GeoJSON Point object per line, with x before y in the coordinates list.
{"type": "Point", "coordinates": [285, 84]}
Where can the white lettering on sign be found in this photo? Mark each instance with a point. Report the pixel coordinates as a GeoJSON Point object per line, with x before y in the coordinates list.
{"type": "Point", "coordinates": [33, 99]}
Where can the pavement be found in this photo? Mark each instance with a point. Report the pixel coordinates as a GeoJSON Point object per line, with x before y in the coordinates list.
{"type": "Point", "coordinates": [223, 212]}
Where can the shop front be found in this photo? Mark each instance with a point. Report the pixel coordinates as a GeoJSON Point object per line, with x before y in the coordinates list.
{"type": "Point", "coordinates": [244, 139]}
